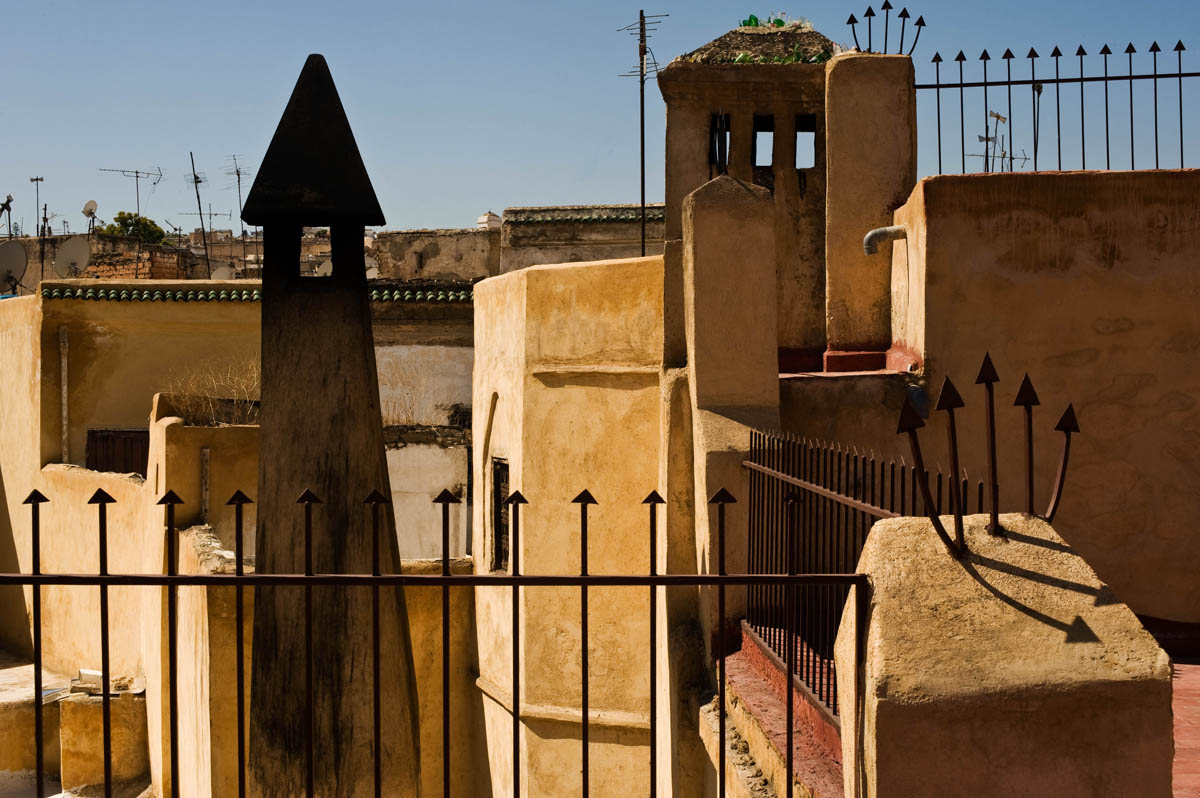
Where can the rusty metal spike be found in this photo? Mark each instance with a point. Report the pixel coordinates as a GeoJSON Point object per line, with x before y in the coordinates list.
{"type": "Point", "coordinates": [1026, 395]}
{"type": "Point", "coordinates": [653, 498]}
{"type": "Point", "coordinates": [583, 498]}
{"type": "Point", "coordinates": [949, 398]}
{"type": "Point", "coordinates": [1056, 53]}
{"type": "Point", "coordinates": [239, 498]}
{"type": "Point", "coordinates": [517, 498]}
{"type": "Point", "coordinates": [375, 497]}
{"type": "Point", "coordinates": [987, 371]}
{"type": "Point", "coordinates": [722, 497]}
{"type": "Point", "coordinates": [35, 497]}
{"type": "Point", "coordinates": [308, 497]}
{"type": "Point", "coordinates": [100, 497]}
{"type": "Point", "coordinates": [910, 419]}
{"type": "Point", "coordinates": [446, 497]}
{"type": "Point", "coordinates": [1068, 423]}
{"type": "Point", "coordinates": [903, 14]}
{"type": "Point", "coordinates": [922, 478]}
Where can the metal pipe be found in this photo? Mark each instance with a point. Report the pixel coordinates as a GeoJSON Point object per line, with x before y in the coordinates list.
{"type": "Point", "coordinates": [881, 235]}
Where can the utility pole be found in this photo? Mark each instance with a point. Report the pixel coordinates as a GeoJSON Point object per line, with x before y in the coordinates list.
{"type": "Point", "coordinates": [42, 242]}
{"type": "Point", "coordinates": [37, 194]}
{"type": "Point", "coordinates": [640, 29]}
{"type": "Point", "coordinates": [196, 181]}
{"type": "Point", "coordinates": [238, 172]}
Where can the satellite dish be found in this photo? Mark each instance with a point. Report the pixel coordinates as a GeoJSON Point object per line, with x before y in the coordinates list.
{"type": "Point", "coordinates": [89, 209]}
{"type": "Point", "coordinates": [222, 273]}
{"type": "Point", "coordinates": [325, 269]}
{"type": "Point", "coordinates": [73, 257]}
{"type": "Point", "coordinates": [12, 262]}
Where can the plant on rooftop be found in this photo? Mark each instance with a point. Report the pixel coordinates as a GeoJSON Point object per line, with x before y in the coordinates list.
{"type": "Point", "coordinates": [217, 392]}
{"type": "Point", "coordinates": [134, 226]}
{"type": "Point", "coordinates": [779, 20]}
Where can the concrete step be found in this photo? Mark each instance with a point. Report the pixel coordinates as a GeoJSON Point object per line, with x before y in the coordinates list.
{"type": "Point", "coordinates": [17, 739]}
{"type": "Point", "coordinates": [756, 735]}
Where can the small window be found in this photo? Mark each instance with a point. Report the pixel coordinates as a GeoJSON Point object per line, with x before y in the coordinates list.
{"type": "Point", "coordinates": [499, 514]}
{"type": "Point", "coordinates": [718, 145]}
{"type": "Point", "coordinates": [122, 451]}
{"type": "Point", "coordinates": [764, 151]}
{"type": "Point", "coordinates": [806, 141]}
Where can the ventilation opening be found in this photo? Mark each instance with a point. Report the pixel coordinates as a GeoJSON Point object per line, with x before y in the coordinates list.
{"type": "Point", "coordinates": [764, 151]}
{"type": "Point", "coordinates": [718, 145]}
{"type": "Point", "coordinates": [806, 141]}
{"type": "Point", "coordinates": [499, 514]}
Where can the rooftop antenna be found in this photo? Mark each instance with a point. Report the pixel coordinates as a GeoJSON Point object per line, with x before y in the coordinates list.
{"type": "Point", "coordinates": [647, 66]}
{"type": "Point", "coordinates": [89, 212]}
{"type": "Point", "coordinates": [197, 179]}
{"type": "Point", "coordinates": [37, 195]}
{"type": "Point", "coordinates": [237, 171]}
{"type": "Point", "coordinates": [6, 207]}
{"type": "Point", "coordinates": [177, 230]}
{"type": "Point", "coordinates": [138, 176]}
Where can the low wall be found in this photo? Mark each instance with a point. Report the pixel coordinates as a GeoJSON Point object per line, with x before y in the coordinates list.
{"type": "Point", "coordinates": [1015, 671]}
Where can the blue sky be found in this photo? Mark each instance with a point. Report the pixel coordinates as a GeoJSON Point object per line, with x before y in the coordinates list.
{"type": "Point", "coordinates": [461, 107]}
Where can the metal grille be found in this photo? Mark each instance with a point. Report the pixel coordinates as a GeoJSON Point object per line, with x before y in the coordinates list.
{"type": "Point", "coordinates": [811, 507]}
{"type": "Point", "coordinates": [785, 583]}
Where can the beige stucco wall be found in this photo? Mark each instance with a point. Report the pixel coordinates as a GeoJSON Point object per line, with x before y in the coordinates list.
{"type": "Point", "coordinates": [567, 389]}
{"type": "Point", "coordinates": [143, 347]}
{"type": "Point", "coordinates": [871, 125]}
{"type": "Point", "coordinates": [421, 384]}
{"type": "Point", "coordinates": [693, 93]}
{"type": "Point", "coordinates": [1017, 665]}
{"type": "Point", "coordinates": [1086, 281]}
{"type": "Point", "coordinates": [417, 474]}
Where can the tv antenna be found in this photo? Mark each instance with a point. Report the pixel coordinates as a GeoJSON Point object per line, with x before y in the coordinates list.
{"type": "Point", "coordinates": [647, 68]}
{"type": "Point", "coordinates": [37, 195]}
{"type": "Point", "coordinates": [177, 230]}
{"type": "Point", "coordinates": [6, 207]}
{"type": "Point", "coordinates": [197, 179]}
{"type": "Point", "coordinates": [210, 213]}
{"type": "Point", "coordinates": [237, 171]}
{"type": "Point", "coordinates": [13, 260]}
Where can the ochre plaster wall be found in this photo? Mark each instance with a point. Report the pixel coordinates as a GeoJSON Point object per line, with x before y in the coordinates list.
{"type": "Point", "coordinates": [571, 355]}
{"type": "Point", "coordinates": [871, 130]}
{"type": "Point", "coordinates": [1017, 665]}
{"type": "Point", "coordinates": [1087, 282]}
{"type": "Point", "coordinates": [693, 93]}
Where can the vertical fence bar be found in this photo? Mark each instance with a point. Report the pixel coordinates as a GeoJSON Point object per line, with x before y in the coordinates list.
{"type": "Point", "coordinates": [962, 123]}
{"type": "Point", "coordinates": [1034, 116]}
{"type": "Point", "coordinates": [170, 500]}
{"type": "Point", "coordinates": [654, 500]}
{"type": "Point", "coordinates": [583, 500]}
{"type": "Point", "coordinates": [1179, 48]}
{"type": "Point", "coordinates": [35, 501]}
{"type": "Point", "coordinates": [937, 98]}
{"type": "Point", "coordinates": [446, 499]}
{"type": "Point", "coordinates": [987, 166]}
{"type": "Point", "coordinates": [1132, 158]}
{"type": "Point", "coordinates": [309, 759]}
{"type": "Point", "coordinates": [790, 660]}
{"type": "Point", "coordinates": [102, 500]}
{"type": "Point", "coordinates": [1154, 53]}
{"type": "Point", "coordinates": [1107, 147]}
{"type": "Point", "coordinates": [1082, 115]}
{"type": "Point", "coordinates": [721, 499]}
{"type": "Point", "coordinates": [238, 500]}
{"type": "Point", "coordinates": [1058, 106]}
{"type": "Point", "coordinates": [376, 695]}
{"type": "Point", "coordinates": [1008, 57]}
{"type": "Point", "coordinates": [515, 501]}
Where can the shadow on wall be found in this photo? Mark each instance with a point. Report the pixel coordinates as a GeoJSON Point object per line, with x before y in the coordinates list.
{"type": "Point", "coordinates": [14, 622]}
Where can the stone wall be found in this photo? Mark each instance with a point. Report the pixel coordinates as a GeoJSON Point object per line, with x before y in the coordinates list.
{"type": "Point", "coordinates": [465, 254]}
{"type": "Point", "coordinates": [575, 233]}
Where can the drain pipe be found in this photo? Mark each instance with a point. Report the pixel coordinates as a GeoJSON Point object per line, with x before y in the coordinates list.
{"type": "Point", "coordinates": [882, 235]}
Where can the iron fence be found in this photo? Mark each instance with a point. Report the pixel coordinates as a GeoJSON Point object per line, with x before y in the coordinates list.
{"type": "Point", "coordinates": [811, 507]}
{"type": "Point", "coordinates": [1012, 136]}
{"type": "Point", "coordinates": [787, 581]}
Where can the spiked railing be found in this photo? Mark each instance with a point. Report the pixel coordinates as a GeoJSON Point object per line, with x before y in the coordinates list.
{"type": "Point", "coordinates": [886, 8]}
{"type": "Point", "coordinates": [311, 580]}
{"type": "Point", "coordinates": [949, 401]}
{"type": "Point", "coordinates": [1013, 141]}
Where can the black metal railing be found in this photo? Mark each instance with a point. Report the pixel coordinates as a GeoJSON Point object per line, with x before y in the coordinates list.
{"type": "Point", "coordinates": [1018, 135]}
{"type": "Point", "coordinates": [786, 582]}
{"type": "Point", "coordinates": [811, 507]}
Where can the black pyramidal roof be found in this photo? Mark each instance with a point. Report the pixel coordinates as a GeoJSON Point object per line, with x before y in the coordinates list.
{"type": "Point", "coordinates": [312, 174]}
